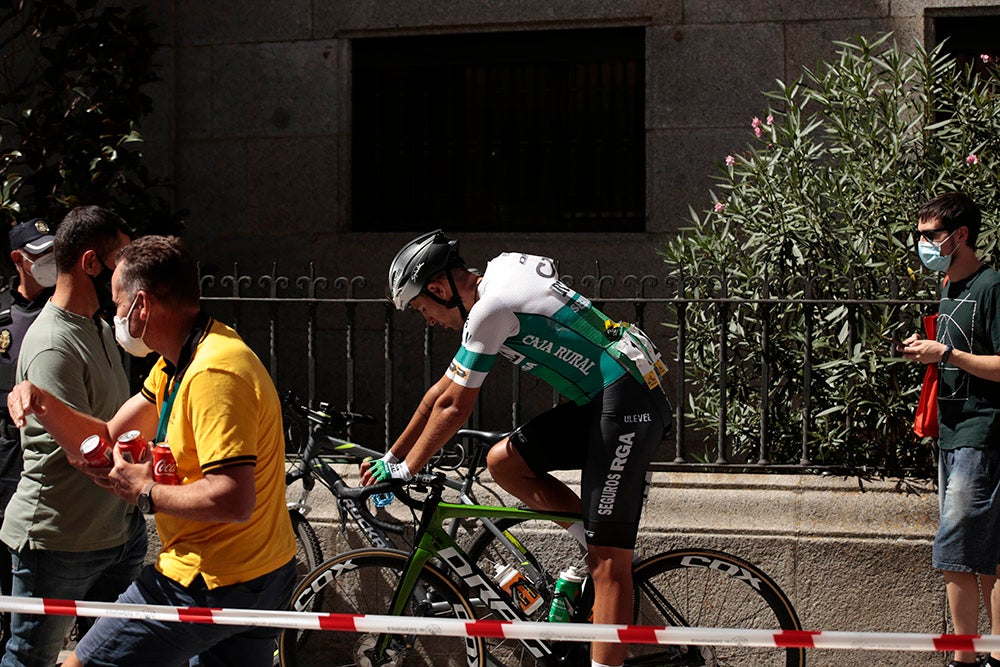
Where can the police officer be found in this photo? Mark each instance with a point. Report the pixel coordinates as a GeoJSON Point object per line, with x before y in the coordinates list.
{"type": "Point", "coordinates": [31, 252]}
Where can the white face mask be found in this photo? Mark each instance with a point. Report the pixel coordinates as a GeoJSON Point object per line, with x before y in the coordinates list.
{"type": "Point", "coordinates": [131, 344]}
{"type": "Point", "coordinates": [43, 269]}
{"type": "Point", "coordinates": [930, 254]}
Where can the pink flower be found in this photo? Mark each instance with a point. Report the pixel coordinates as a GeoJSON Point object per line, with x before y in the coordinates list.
{"type": "Point", "coordinates": [730, 160]}
{"type": "Point", "coordinates": [758, 131]}
{"type": "Point", "coordinates": [755, 123]}
{"type": "Point", "coordinates": [972, 159]}
{"type": "Point", "coordinates": [770, 120]}
{"type": "Point", "coordinates": [719, 207]}
{"type": "Point", "coordinates": [985, 57]}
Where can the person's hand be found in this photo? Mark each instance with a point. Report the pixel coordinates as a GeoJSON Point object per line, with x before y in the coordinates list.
{"type": "Point", "coordinates": [98, 476]}
{"type": "Point", "coordinates": [367, 474]}
{"type": "Point", "coordinates": [923, 350]}
{"type": "Point", "coordinates": [383, 471]}
{"type": "Point", "coordinates": [127, 479]}
{"type": "Point", "coordinates": [23, 400]}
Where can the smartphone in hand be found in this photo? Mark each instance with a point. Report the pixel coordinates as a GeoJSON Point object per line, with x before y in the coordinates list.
{"type": "Point", "coordinates": [893, 337]}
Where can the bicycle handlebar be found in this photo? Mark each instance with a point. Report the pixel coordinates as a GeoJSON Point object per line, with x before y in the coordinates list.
{"type": "Point", "coordinates": [325, 415]}
{"type": "Point", "coordinates": [401, 489]}
{"type": "Point", "coordinates": [360, 494]}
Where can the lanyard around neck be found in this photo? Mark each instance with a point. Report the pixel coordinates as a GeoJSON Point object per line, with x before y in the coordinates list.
{"type": "Point", "coordinates": [188, 351]}
{"type": "Point", "coordinates": [168, 404]}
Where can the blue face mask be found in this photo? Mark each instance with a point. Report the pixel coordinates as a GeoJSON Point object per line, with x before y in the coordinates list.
{"type": "Point", "coordinates": [930, 254]}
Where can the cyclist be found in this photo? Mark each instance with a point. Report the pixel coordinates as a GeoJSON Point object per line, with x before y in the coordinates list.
{"type": "Point", "coordinates": [616, 415]}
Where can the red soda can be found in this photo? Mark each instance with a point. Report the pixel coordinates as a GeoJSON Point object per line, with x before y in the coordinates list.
{"type": "Point", "coordinates": [132, 446]}
{"type": "Point", "coordinates": [164, 465]}
{"type": "Point", "coordinates": [96, 451]}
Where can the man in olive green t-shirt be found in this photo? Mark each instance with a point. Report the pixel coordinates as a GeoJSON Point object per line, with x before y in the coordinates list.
{"type": "Point", "coordinates": [69, 538]}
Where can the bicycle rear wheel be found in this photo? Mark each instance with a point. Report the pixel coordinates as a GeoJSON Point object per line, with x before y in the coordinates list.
{"type": "Point", "coordinates": [706, 588]}
{"type": "Point", "coordinates": [363, 582]}
{"type": "Point", "coordinates": [308, 553]}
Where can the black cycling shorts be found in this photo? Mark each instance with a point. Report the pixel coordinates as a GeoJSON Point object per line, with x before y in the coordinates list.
{"type": "Point", "coordinates": [611, 440]}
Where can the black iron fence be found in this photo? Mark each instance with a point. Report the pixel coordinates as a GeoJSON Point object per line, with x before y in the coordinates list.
{"type": "Point", "coordinates": [339, 340]}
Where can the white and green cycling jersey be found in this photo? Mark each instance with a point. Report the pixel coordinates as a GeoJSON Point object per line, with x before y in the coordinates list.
{"type": "Point", "coordinates": [525, 314]}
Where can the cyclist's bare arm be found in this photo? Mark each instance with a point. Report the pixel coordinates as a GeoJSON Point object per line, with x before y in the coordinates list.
{"type": "Point", "coordinates": [418, 422]}
{"type": "Point", "coordinates": [443, 410]}
{"type": "Point", "coordinates": [404, 443]}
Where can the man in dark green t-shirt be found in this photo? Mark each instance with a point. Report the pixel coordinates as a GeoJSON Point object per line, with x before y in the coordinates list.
{"type": "Point", "coordinates": [967, 544]}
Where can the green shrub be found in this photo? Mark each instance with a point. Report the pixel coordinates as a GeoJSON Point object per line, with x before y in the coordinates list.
{"type": "Point", "coordinates": [819, 206]}
{"type": "Point", "coordinates": [72, 82]}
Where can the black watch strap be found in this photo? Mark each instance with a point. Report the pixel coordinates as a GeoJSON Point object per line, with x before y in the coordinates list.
{"type": "Point", "coordinates": [947, 353]}
{"type": "Point", "coordinates": [145, 500]}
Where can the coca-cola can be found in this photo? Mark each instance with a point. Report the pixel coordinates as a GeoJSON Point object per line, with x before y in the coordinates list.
{"type": "Point", "coordinates": [96, 451]}
{"type": "Point", "coordinates": [132, 446]}
{"type": "Point", "coordinates": [164, 465]}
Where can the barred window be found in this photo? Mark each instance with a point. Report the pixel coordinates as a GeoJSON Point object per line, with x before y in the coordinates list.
{"type": "Point", "coordinates": [968, 34]}
{"type": "Point", "coordinates": [529, 131]}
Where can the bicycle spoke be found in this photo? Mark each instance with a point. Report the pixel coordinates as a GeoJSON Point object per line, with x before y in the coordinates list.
{"type": "Point", "coordinates": [660, 602]}
{"type": "Point", "coordinates": [710, 589]}
{"type": "Point", "coordinates": [363, 582]}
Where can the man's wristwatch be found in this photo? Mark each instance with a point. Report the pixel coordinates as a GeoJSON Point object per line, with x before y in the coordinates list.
{"type": "Point", "coordinates": [145, 500]}
{"type": "Point", "coordinates": [947, 353]}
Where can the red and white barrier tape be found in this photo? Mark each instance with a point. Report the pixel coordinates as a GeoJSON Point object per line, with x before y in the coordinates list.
{"type": "Point", "coordinates": [579, 632]}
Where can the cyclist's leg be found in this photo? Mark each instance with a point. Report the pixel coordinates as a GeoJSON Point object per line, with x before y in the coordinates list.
{"type": "Point", "coordinates": [540, 491]}
{"type": "Point", "coordinates": [551, 441]}
{"type": "Point", "coordinates": [630, 425]}
{"type": "Point", "coordinates": [611, 575]}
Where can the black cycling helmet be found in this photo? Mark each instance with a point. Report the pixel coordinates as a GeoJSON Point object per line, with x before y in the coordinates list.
{"type": "Point", "coordinates": [417, 262]}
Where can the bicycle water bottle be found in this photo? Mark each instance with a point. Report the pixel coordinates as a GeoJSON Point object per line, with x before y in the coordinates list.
{"type": "Point", "coordinates": [567, 591]}
{"type": "Point", "coordinates": [518, 588]}
{"type": "Point", "coordinates": [381, 499]}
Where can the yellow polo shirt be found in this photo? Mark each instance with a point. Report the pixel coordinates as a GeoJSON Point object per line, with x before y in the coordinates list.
{"type": "Point", "coordinates": [226, 413]}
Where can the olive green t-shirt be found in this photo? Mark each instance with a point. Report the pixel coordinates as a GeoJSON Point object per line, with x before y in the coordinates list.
{"type": "Point", "coordinates": [969, 319]}
{"type": "Point", "coordinates": [56, 507]}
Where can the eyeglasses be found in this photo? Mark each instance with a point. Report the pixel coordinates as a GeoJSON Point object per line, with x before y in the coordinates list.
{"type": "Point", "coordinates": [928, 235]}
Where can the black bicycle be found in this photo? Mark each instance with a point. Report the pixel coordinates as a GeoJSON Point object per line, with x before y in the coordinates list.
{"type": "Point", "coordinates": [317, 443]}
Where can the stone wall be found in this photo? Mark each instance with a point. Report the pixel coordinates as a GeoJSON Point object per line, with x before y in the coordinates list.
{"type": "Point", "coordinates": [252, 119]}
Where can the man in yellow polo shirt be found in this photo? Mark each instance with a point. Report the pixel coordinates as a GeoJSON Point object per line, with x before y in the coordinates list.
{"type": "Point", "coordinates": [227, 539]}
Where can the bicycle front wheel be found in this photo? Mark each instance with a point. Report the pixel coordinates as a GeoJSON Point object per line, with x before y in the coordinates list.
{"type": "Point", "coordinates": [706, 588]}
{"type": "Point", "coordinates": [308, 553]}
{"type": "Point", "coordinates": [363, 582]}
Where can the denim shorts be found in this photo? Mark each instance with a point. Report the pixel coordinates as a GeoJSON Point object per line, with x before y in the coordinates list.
{"type": "Point", "coordinates": [113, 642]}
{"type": "Point", "coordinates": [968, 537]}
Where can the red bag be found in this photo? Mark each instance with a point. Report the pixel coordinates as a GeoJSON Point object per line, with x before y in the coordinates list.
{"type": "Point", "coordinates": [925, 424]}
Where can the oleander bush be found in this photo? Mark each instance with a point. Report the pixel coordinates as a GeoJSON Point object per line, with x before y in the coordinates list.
{"type": "Point", "coordinates": [72, 97]}
{"type": "Point", "coordinates": [819, 207]}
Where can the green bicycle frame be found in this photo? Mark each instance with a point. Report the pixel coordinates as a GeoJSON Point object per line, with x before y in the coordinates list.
{"type": "Point", "coordinates": [434, 541]}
